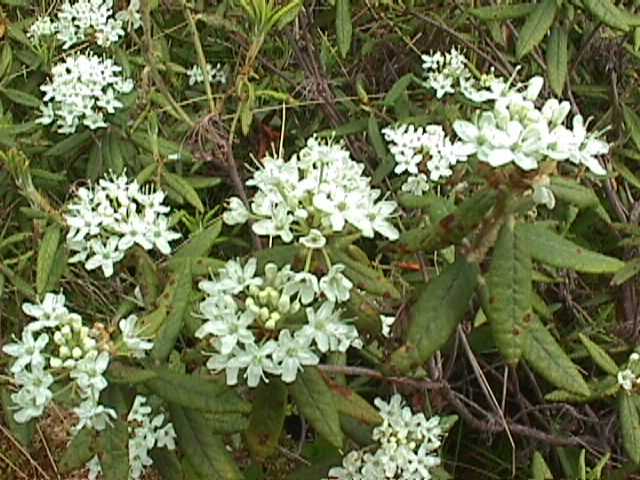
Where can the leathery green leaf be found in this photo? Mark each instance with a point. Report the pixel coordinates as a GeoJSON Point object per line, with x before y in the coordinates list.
{"type": "Point", "coordinates": [267, 418]}
{"type": "Point", "coordinates": [353, 405]}
{"type": "Point", "coordinates": [344, 29]}
{"type": "Point", "coordinates": [632, 122]}
{"type": "Point", "coordinates": [196, 392]}
{"type": "Point", "coordinates": [599, 356]}
{"type": "Point", "coordinates": [610, 15]}
{"type": "Point", "coordinates": [441, 306]}
{"type": "Point", "coordinates": [509, 284]}
{"type": "Point", "coordinates": [536, 27]}
{"type": "Point", "coordinates": [183, 187]}
{"type": "Point", "coordinates": [180, 286]}
{"type": "Point", "coordinates": [550, 248]}
{"type": "Point", "coordinates": [205, 453]}
{"type": "Point", "coordinates": [23, 432]}
{"type": "Point", "coordinates": [629, 419]}
{"type": "Point", "coordinates": [502, 12]}
{"type": "Point", "coordinates": [557, 58]}
{"type": "Point", "coordinates": [199, 244]}
{"type": "Point", "coordinates": [539, 468]}
{"type": "Point", "coordinates": [80, 450]}
{"type": "Point", "coordinates": [571, 191]}
{"type": "Point", "coordinates": [315, 402]}
{"type": "Point", "coordinates": [113, 451]}
{"type": "Point", "coordinates": [46, 256]}
{"type": "Point", "coordinates": [543, 353]}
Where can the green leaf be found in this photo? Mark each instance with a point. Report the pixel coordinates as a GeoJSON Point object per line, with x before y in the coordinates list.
{"type": "Point", "coordinates": [502, 12]}
{"type": "Point", "coordinates": [267, 418]}
{"type": "Point", "coordinates": [81, 449]}
{"type": "Point", "coordinates": [630, 270]}
{"type": "Point", "coordinates": [196, 392]}
{"type": "Point", "coordinates": [350, 403]}
{"type": "Point", "coordinates": [113, 450]}
{"type": "Point", "coordinates": [343, 26]}
{"type": "Point", "coordinates": [166, 463]}
{"type": "Point", "coordinates": [199, 244]}
{"type": "Point", "coordinates": [21, 98]}
{"type": "Point", "coordinates": [600, 389]}
{"type": "Point", "coordinates": [632, 122]}
{"type": "Point", "coordinates": [550, 248]}
{"type": "Point", "coordinates": [571, 191]}
{"type": "Point", "coordinates": [205, 453]}
{"type": "Point", "coordinates": [441, 306]}
{"type": "Point", "coordinates": [629, 420]}
{"type": "Point", "coordinates": [181, 186]}
{"type": "Point", "coordinates": [543, 353]}
{"type": "Point", "coordinates": [602, 358]}
{"type": "Point", "coordinates": [397, 89]}
{"type": "Point", "coordinates": [509, 283]}
{"type": "Point", "coordinates": [68, 145]}
{"type": "Point", "coordinates": [612, 16]}
{"type": "Point", "coordinates": [539, 468]}
{"type": "Point", "coordinates": [536, 27]}
{"type": "Point", "coordinates": [557, 58]}
{"type": "Point", "coordinates": [315, 402]}
{"type": "Point", "coordinates": [121, 373]}
{"type": "Point", "coordinates": [179, 285]}
{"type": "Point", "coordinates": [46, 256]}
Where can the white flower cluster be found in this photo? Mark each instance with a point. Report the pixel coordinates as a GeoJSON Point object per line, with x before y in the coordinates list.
{"type": "Point", "coordinates": [407, 447]}
{"type": "Point", "coordinates": [215, 74]}
{"type": "Point", "coordinates": [314, 194]}
{"type": "Point", "coordinates": [253, 324]}
{"type": "Point", "coordinates": [443, 71]}
{"type": "Point", "coordinates": [112, 217]}
{"type": "Point", "coordinates": [512, 130]}
{"type": "Point", "coordinates": [629, 378]}
{"type": "Point", "coordinates": [145, 433]}
{"type": "Point", "coordinates": [409, 145]}
{"type": "Point", "coordinates": [85, 19]}
{"type": "Point", "coordinates": [74, 351]}
{"type": "Point", "coordinates": [82, 90]}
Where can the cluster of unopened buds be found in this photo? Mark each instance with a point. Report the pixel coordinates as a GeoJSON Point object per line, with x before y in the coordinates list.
{"type": "Point", "coordinates": [107, 220]}
{"type": "Point", "coordinates": [315, 194]}
{"type": "Point", "coordinates": [407, 447]}
{"type": "Point", "coordinates": [146, 432]}
{"type": "Point", "coordinates": [85, 19]}
{"type": "Point", "coordinates": [507, 127]}
{"type": "Point", "coordinates": [256, 325]}
{"type": "Point", "coordinates": [629, 377]}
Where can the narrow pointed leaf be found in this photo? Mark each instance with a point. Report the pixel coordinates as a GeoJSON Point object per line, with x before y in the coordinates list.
{"type": "Point", "coordinates": [344, 29]}
{"type": "Point", "coordinates": [196, 392]}
{"type": "Point", "coordinates": [353, 405]}
{"type": "Point", "coordinates": [267, 418]}
{"type": "Point", "coordinates": [46, 257]}
{"type": "Point", "coordinates": [502, 12]}
{"type": "Point", "coordinates": [441, 306]}
{"type": "Point", "coordinates": [629, 419]}
{"type": "Point", "coordinates": [180, 286]}
{"type": "Point", "coordinates": [543, 353]}
{"type": "Point", "coordinates": [550, 248]}
{"type": "Point", "coordinates": [205, 453]}
{"type": "Point", "coordinates": [557, 58]}
{"type": "Point", "coordinates": [599, 356]}
{"type": "Point", "coordinates": [536, 27]}
{"type": "Point", "coordinates": [509, 284]}
{"type": "Point", "coordinates": [81, 449]}
{"type": "Point", "coordinates": [315, 402]}
{"type": "Point", "coordinates": [113, 450]}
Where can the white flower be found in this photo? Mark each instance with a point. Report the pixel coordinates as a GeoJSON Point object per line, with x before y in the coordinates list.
{"type": "Point", "coordinates": [131, 16]}
{"type": "Point", "coordinates": [48, 313]}
{"type": "Point", "coordinates": [335, 285]}
{"type": "Point", "coordinates": [130, 334]}
{"type": "Point", "coordinates": [387, 322]}
{"type": "Point", "coordinates": [314, 239]}
{"type": "Point", "coordinates": [257, 360]}
{"type": "Point", "coordinates": [105, 255]}
{"type": "Point", "coordinates": [305, 285]}
{"type": "Point", "coordinates": [34, 394]}
{"type": "Point", "coordinates": [88, 373]}
{"type": "Point", "coordinates": [28, 351]}
{"type": "Point", "coordinates": [91, 414]}
{"type": "Point", "coordinates": [237, 213]}
{"type": "Point", "coordinates": [292, 354]}
{"type": "Point", "coordinates": [95, 468]}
